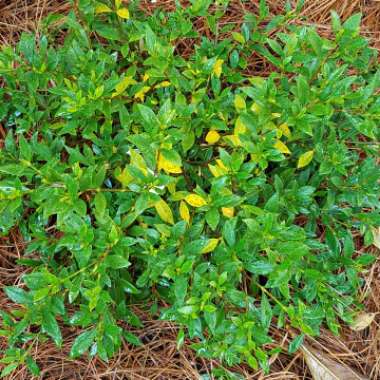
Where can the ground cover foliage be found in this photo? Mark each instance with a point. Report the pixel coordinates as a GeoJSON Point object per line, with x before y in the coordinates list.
{"type": "Point", "coordinates": [229, 200]}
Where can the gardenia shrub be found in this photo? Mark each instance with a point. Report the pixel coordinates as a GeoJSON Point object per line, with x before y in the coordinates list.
{"type": "Point", "coordinates": [229, 201]}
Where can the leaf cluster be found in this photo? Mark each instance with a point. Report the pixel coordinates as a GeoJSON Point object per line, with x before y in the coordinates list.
{"type": "Point", "coordinates": [137, 175]}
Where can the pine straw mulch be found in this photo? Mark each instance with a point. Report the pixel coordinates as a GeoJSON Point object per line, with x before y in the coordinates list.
{"type": "Point", "coordinates": [159, 358]}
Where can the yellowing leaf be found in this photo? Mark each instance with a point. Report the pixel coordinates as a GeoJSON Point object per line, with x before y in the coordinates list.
{"type": "Point", "coordinates": [284, 128]}
{"type": "Point", "coordinates": [305, 159]}
{"type": "Point", "coordinates": [255, 108]}
{"type": "Point", "coordinates": [221, 165]}
{"type": "Point", "coordinates": [184, 211]}
{"type": "Point", "coordinates": [212, 137]}
{"type": "Point", "coordinates": [239, 102]}
{"type": "Point", "coordinates": [238, 37]}
{"type": "Point", "coordinates": [123, 85]}
{"type": "Point", "coordinates": [217, 68]}
{"type": "Point", "coordinates": [141, 93]}
{"type": "Point", "coordinates": [138, 161]}
{"type": "Point", "coordinates": [216, 170]}
{"type": "Point", "coordinates": [168, 166]}
{"type": "Point", "coordinates": [123, 13]}
{"type": "Point", "coordinates": [123, 177]}
{"type": "Point", "coordinates": [164, 211]}
{"type": "Point", "coordinates": [276, 115]}
{"type": "Point", "coordinates": [146, 77]}
{"type": "Point", "coordinates": [228, 212]}
{"type": "Point", "coordinates": [195, 200]}
{"type": "Point", "coordinates": [210, 246]}
{"type": "Point", "coordinates": [234, 140]}
{"type": "Point", "coordinates": [240, 127]}
{"type": "Point", "coordinates": [165, 83]}
{"type": "Point", "coordinates": [102, 8]}
{"type": "Point", "coordinates": [171, 187]}
{"type": "Point", "coordinates": [280, 146]}
{"type": "Point", "coordinates": [362, 321]}
{"type": "Point", "coordinates": [255, 157]}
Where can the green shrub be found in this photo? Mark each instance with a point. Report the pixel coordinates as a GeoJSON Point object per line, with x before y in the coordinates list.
{"type": "Point", "coordinates": [137, 175]}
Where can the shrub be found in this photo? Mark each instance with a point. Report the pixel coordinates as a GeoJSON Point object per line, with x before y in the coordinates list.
{"type": "Point", "coordinates": [229, 200]}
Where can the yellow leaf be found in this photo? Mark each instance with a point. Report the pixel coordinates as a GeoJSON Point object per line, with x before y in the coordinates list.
{"type": "Point", "coordinates": [276, 115]}
{"type": "Point", "coordinates": [122, 85]}
{"type": "Point", "coordinates": [239, 103]}
{"type": "Point", "coordinates": [216, 170]}
{"type": "Point", "coordinates": [117, 4]}
{"type": "Point", "coordinates": [165, 83]}
{"type": "Point", "coordinates": [238, 37]}
{"type": "Point", "coordinates": [217, 68]}
{"type": "Point", "coordinates": [228, 212]}
{"type": "Point", "coordinates": [210, 246]}
{"type": "Point", "coordinates": [168, 166]}
{"type": "Point", "coordinates": [146, 77]}
{"type": "Point", "coordinates": [123, 13]}
{"type": "Point", "coordinates": [184, 211]}
{"type": "Point", "coordinates": [284, 128]}
{"type": "Point", "coordinates": [305, 159]}
{"type": "Point", "coordinates": [195, 200]}
{"type": "Point", "coordinates": [164, 211]}
{"type": "Point", "coordinates": [123, 177]}
{"type": "Point", "coordinates": [362, 321]}
{"type": "Point", "coordinates": [255, 108]}
{"type": "Point", "coordinates": [212, 137]}
{"type": "Point", "coordinates": [141, 93]}
{"type": "Point", "coordinates": [102, 8]}
{"type": "Point", "coordinates": [240, 127]}
{"type": "Point", "coordinates": [234, 140]}
{"type": "Point", "coordinates": [221, 165]}
{"type": "Point", "coordinates": [280, 146]}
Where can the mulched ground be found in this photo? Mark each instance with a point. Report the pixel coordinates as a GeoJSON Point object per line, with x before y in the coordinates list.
{"type": "Point", "coordinates": [158, 358]}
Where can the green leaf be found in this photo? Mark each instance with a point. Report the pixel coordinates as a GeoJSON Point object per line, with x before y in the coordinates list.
{"type": "Point", "coordinates": [82, 343]}
{"type": "Point", "coordinates": [17, 295]}
{"type": "Point", "coordinates": [212, 218]}
{"type": "Point", "coordinates": [25, 149]}
{"type": "Point", "coordinates": [32, 366]}
{"type": "Point", "coordinates": [8, 369]}
{"type": "Point", "coordinates": [132, 338]}
{"type": "Point", "coordinates": [117, 262]}
{"type": "Point", "coordinates": [180, 339]}
{"type": "Point", "coordinates": [100, 203]}
{"type": "Point", "coordinates": [108, 32]}
{"type": "Point", "coordinates": [148, 116]}
{"type": "Point", "coordinates": [259, 267]}
{"type": "Point", "coordinates": [50, 327]}
{"type": "Point", "coordinates": [352, 24]}
{"type": "Point", "coordinates": [188, 309]}
{"type": "Point", "coordinates": [229, 231]}
{"type": "Point", "coordinates": [296, 343]}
